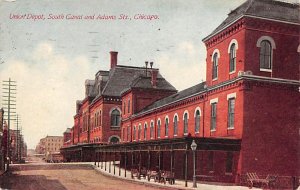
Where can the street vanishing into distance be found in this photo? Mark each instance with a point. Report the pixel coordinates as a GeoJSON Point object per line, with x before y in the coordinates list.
{"type": "Point", "coordinates": [38, 175]}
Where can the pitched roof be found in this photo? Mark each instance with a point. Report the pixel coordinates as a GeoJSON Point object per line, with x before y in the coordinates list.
{"type": "Point", "coordinates": [124, 77]}
{"type": "Point", "coordinates": [176, 97]}
{"type": "Point", "coordinates": [270, 9]}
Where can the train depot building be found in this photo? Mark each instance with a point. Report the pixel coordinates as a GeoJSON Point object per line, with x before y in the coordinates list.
{"type": "Point", "coordinates": [243, 118]}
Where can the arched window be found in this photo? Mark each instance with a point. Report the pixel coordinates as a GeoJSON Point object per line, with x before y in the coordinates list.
{"type": "Point", "coordinates": [151, 129]}
{"type": "Point", "coordinates": [139, 132]}
{"type": "Point", "coordinates": [185, 123]}
{"type": "Point", "coordinates": [167, 127]}
{"type": "Point", "coordinates": [158, 128]}
{"type": "Point", "coordinates": [215, 66]}
{"type": "Point", "coordinates": [115, 118]}
{"type": "Point", "coordinates": [114, 140]}
{"type": "Point", "coordinates": [145, 131]}
{"type": "Point", "coordinates": [134, 133]}
{"type": "Point", "coordinates": [175, 125]}
{"type": "Point", "coordinates": [232, 56]}
{"type": "Point", "coordinates": [265, 54]}
{"type": "Point", "coordinates": [197, 121]}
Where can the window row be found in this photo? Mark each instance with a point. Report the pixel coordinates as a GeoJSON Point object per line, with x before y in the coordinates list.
{"type": "Point", "coordinates": [230, 113]}
{"type": "Point", "coordinates": [266, 45]}
{"type": "Point", "coordinates": [126, 108]}
{"type": "Point", "coordinates": [142, 132]}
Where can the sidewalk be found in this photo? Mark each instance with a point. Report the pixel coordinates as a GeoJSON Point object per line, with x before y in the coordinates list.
{"type": "Point", "coordinates": [180, 185]}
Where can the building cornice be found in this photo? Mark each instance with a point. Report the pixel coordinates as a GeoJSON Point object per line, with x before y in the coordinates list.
{"type": "Point", "coordinates": [208, 90]}
{"type": "Point", "coordinates": [245, 16]}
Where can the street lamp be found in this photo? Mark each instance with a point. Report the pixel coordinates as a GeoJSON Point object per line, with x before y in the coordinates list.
{"type": "Point", "coordinates": [194, 147]}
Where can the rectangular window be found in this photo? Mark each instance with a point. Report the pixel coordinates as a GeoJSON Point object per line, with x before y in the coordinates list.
{"type": "Point", "coordinates": [231, 105]}
{"type": "Point", "coordinates": [213, 116]}
{"type": "Point", "coordinates": [167, 127]}
{"type": "Point", "coordinates": [134, 133]}
{"type": "Point", "coordinates": [128, 133]}
{"type": "Point", "coordinates": [158, 129]}
{"type": "Point", "coordinates": [128, 111]}
{"type": "Point", "coordinates": [139, 132]}
{"type": "Point", "coordinates": [229, 162]}
{"type": "Point", "coordinates": [151, 130]}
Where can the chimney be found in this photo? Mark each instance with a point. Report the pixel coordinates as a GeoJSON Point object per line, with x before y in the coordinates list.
{"type": "Point", "coordinates": [154, 73]}
{"type": "Point", "coordinates": [113, 59]}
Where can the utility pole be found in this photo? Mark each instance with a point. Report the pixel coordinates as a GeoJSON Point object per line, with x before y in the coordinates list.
{"type": "Point", "coordinates": [9, 104]}
{"type": "Point", "coordinates": [18, 140]}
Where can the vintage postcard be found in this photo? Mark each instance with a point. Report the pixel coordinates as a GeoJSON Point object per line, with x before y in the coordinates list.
{"type": "Point", "coordinates": [156, 94]}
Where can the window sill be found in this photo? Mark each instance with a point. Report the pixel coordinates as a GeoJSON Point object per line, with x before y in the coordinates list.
{"type": "Point", "coordinates": [232, 72]}
{"type": "Point", "coordinates": [211, 172]}
{"type": "Point", "coordinates": [175, 135]}
{"type": "Point", "coordinates": [230, 128]}
{"type": "Point", "coordinates": [166, 136]}
{"type": "Point", "coordinates": [158, 137]}
{"type": "Point", "coordinates": [213, 130]}
{"type": "Point", "coordinates": [266, 70]}
{"type": "Point", "coordinates": [228, 174]}
{"type": "Point", "coordinates": [214, 79]}
{"type": "Point", "coordinates": [197, 132]}
{"type": "Point", "coordinates": [185, 134]}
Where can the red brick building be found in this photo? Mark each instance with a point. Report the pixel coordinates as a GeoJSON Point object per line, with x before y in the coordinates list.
{"type": "Point", "coordinates": [243, 118]}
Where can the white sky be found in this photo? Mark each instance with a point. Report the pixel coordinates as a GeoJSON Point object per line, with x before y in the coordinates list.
{"type": "Point", "coordinates": [50, 59]}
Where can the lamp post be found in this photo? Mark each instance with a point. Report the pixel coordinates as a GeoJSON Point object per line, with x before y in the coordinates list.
{"type": "Point", "coordinates": [194, 147]}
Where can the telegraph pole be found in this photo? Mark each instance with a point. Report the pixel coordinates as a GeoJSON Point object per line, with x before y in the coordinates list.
{"type": "Point", "coordinates": [18, 140]}
{"type": "Point", "coordinates": [9, 104]}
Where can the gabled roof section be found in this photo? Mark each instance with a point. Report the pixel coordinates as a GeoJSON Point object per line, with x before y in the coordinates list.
{"type": "Point", "coordinates": [268, 9]}
{"type": "Point", "coordinates": [125, 77]}
{"type": "Point", "coordinates": [176, 97]}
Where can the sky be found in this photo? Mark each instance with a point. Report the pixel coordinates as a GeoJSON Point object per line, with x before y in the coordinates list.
{"type": "Point", "coordinates": [50, 48]}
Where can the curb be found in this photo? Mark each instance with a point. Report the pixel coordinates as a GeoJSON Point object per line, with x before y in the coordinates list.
{"type": "Point", "coordinates": [139, 182]}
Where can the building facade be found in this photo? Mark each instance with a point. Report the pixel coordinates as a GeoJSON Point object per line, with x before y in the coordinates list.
{"type": "Point", "coordinates": [243, 118]}
{"type": "Point", "coordinates": [50, 144]}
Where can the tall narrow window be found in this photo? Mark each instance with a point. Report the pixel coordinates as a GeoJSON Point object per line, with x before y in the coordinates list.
{"type": "Point", "coordinates": [124, 108]}
{"type": "Point", "coordinates": [100, 118]}
{"type": "Point", "coordinates": [151, 130]}
{"type": "Point", "coordinates": [265, 55]}
{"type": "Point", "coordinates": [197, 121]}
{"type": "Point", "coordinates": [231, 105]}
{"type": "Point", "coordinates": [215, 66]}
{"type": "Point", "coordinates": [134, 133]}
{"type": "Point", "coordinates": [145, 131]}
{"type": "Point", "coordinates": [232, 58]}
{"type": "Point", "coordinates": [128, 133]}
{"type": "Point", "coordinates": [115, 118]}
{"type": "Point", "coordinates": [229, 162]}
{"type": "Point", "coordinates": [128, 111]}
{"type": "Point", "coordinates": [167, 127]}
{"type": "Point", "coordinates": [175, 125]}
{"type": "Point", "coordinates": [139, 132]}
{"type": "Point", "coordinates": [185, 123]}
{"type": "Point", "coordinates": [123, 135]}
{"type": "Point", "coordinates": [95, 119]}
{"type": "Point", "coordinates": [213, 116]}
{"type": "Point", "coordinates": [158, 128]}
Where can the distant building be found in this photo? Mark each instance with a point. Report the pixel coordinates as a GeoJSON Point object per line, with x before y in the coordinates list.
{"type": "Point", "coordinates": [50, 144]}
{"type": "Point", "coordinates": [67, 137]}
{"type": "Point", "coordinates": [18, 146]}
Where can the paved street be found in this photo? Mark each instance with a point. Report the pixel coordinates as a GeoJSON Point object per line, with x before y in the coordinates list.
{"type": "Point", "coordinates": [36, 176]}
